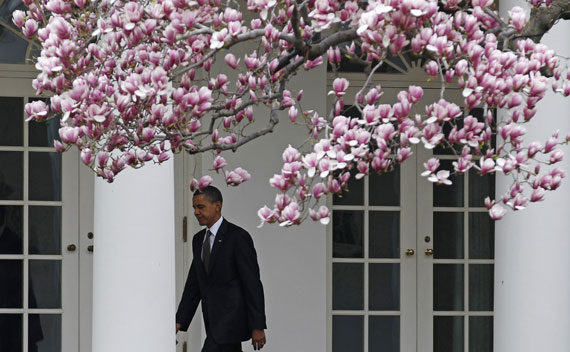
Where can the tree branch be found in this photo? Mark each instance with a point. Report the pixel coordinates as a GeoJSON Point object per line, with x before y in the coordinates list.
{"type": "Point", "coordinates": [299, 44]}
{"type": "Point", "coordinates": [239, 39]}
{"type": "Point", "coordinates": [543, 18]}
{"type": "Point", "coordinates": [273, 120]}
{"type": "Point", "coordinates": [320, 48]}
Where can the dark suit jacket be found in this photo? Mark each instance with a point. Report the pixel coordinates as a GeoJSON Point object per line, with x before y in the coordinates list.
{"type": "Point", "coordinates": [231, 293]}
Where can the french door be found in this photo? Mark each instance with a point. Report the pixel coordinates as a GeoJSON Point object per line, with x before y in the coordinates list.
{"type": "Point", "coordinates": [39, 226]}
{"type": "Point", "coordinates": [411, 263]}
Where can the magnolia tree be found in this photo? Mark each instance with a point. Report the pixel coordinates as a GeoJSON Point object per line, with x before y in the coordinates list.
{"type": "Point", "coordinates": [133, 82]}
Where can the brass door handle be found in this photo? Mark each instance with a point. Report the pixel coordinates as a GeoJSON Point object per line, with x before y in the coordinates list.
{"type": "Point", "coordinates": [90, 248]}
{"type": "Point", "coordinates": [71, 247]}
{"type": "Point", "coordinates": [429, 251]}
{"type": "Point", "coordinates": [410, 252]}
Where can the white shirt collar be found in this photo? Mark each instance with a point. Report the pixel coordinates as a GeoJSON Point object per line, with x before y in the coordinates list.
{"type": "Point", "coordinates": [214, 229]}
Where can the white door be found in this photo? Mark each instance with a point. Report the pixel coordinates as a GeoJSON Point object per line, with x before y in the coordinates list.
{"type": "Point", "coordinates": [39, 225]}
{"type": "Point", "coordinates": [455, 260]}
{"type": "Point", "coordinates": [411, 264]}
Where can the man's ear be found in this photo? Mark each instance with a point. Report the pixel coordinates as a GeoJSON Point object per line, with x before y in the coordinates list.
{"type": "Point", "coordinates": [219, 206]}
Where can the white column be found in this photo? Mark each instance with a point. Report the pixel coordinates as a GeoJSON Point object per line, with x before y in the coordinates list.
{"type": "Point", "coordinates": [133, 274]}
{"type": "Point", "coordinates": [532, 279]}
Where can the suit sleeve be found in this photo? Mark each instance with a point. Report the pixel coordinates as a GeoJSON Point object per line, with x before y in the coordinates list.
{"type": "Point", "coordinates": [251, 281]}
{"type": "Point", "coordinates": [190, 299]}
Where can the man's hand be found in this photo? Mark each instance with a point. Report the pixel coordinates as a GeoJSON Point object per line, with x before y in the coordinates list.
{"type": "Point", "coordinates": [177, 328]}
{"type": "Point", "coordinates": [258, 339]}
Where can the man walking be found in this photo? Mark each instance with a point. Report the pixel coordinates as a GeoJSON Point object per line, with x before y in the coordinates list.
{"type": "Point", "coordinates": [224, 275]}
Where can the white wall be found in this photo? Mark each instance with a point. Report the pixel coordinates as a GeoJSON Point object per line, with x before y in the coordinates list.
{"type": "Point", "coordinates": [532, 284]}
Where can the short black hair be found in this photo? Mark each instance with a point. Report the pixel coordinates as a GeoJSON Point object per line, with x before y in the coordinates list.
{"type": "Point", "coordinates": [211, 193]}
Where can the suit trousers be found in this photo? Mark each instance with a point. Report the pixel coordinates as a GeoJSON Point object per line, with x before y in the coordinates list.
{"type": "Point", "coordinates": [211, 346]}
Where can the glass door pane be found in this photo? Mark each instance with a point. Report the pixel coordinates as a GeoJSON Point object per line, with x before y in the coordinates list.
{"type": "Point", "coordinates": [38, 220]}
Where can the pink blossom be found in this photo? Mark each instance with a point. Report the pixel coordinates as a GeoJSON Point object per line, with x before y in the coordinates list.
{"type": "Point", "coordinates": [310, 162]}
{"type": "Point", "coordinates": [403, 154]}
{"type": "Point", "coordinates": [497, 212]}
{"type": "Point", "coordinates": [59, 147]}
{"type": "Point", "coordinates": [205, 181]}
{"type": "Point", "coordinates": [537, 195]}
{"type": "Point", "coordinates": [373, 95]}
{"type": "Point", "coordinates": [334, 186]}
{"type": "Point", "coordinates": [488, 202]}
{"type": "Point", "coordinates": [218, 39]}
{"type": "Point", "coordinates": [102, 158]}
{"type": "Point", "coordinates": [462, 164]}
{"type": "Point", "coordinates": [234, 28]}
{"type": "Point", "coordinates": [30, 28]}
{"type": "Point", "coordinates": [487, 165]}
{"type": "Point", "coordinates": [440, 177]}
{"type": "Point", "coordinates": [279, 182]}
{"type": "Point", "coordinates": [310, 64]}
{"type": "Point", "coordinates": [291, 170]}
{"type": "Point", "coordinates": [362, 168]}
{"type": "Point", "coordinates": [290, 214]}
{"type": "Point", "coordinates": [266, 215]}
{"type": "Point", "coordinates": [415, 93]}
{"type": "Point", "coordinates": [538, 86]}
{"type": "Point", "coordinates": [505, 165]}
{"type": "Point", "coordinates": [556, 156]}
{"type": "Point", "coordinates": [232, 61]}
{"type": "Point", "coordinates": [482, 3]}
{"type": "Point", "coordinates": [551, 143]}
{"type": "Point", "coordinates": [292, 113]}
{"type": "Point", "coordinates": [461, 67]}
{"type": "Point", "coordinates": [290, 154]}
{"type": "Point", "coordinates": [325, 167]}
{"type": "Point", "coordinates": [69, 135]}
{"type": "Point", "coordinates": [237, 177]}
{"type": "Point", "coordinates": [162, 157]}
{"type": "Point", "coordinates": [322, 215]}
{"type": "Point", "coordinates": [319, 189]}
{"type": "Point", "coordinates": [431, 166]}
{"type": "Point", "coordinates": [281, 201]}
{"type": "Point", "coordinates": [519, 202]}
{"type": "Point", "coordinates": [60, 27]}
{"type": "Point", "coordinates": [286, 100]}
{"type": "Point", "coordinates": [193, 185]}
{"type": "Point", "coordinates": [18, 17]}
{"type": "Point", "coordinates": [219, 163]}
{"type": "Point", "coordinates": [148, 134]}
{"type": "Point", "coordinates": [331, 56]}
{"type": "Point", "coordinates": [518, 18]}
{"type": "Point", "coordinates": [432, 68]}
{"type": "Point", "coordinates": [36, 110]}
{"type": "Point", "coordinates": [340, 85]}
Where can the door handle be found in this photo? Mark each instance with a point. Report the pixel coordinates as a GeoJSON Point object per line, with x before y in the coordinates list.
{"type": "Point", "coordinates": [410, 252]}
{"type": "Point", "coordinates": [71, 247]}
{"type": "Point", "coordinates": [429, 251]}
{"type": "Point", "coordinates": [90, 248]}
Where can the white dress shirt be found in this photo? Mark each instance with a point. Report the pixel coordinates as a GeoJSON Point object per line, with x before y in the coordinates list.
{"type": "Point", "coordinates": [214, 230]}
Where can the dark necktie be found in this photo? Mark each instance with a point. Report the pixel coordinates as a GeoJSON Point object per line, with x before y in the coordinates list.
{"type": "Point", "coordinates": [206, 251]}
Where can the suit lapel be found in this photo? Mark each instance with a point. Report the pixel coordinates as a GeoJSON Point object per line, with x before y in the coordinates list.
{"type": "Point", "coordinates": [218, 243]}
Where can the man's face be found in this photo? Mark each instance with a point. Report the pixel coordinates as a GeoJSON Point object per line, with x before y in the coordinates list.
{"type": "Point", "coordinates": [206, 212]}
